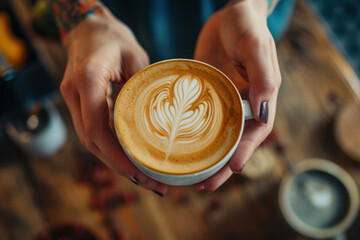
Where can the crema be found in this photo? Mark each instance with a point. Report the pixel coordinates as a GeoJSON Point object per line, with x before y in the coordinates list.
{"type": "Point", "coordinates": [178, 117]}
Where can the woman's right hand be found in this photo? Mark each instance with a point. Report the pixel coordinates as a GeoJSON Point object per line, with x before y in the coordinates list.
{"type": "Point", "coordinates": [101, 49]}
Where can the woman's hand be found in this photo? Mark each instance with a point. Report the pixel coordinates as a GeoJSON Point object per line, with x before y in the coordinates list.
{"type": "Point", "coordinates": [101, 50]}
{"type": "Point", "coordinates": [237, 41]}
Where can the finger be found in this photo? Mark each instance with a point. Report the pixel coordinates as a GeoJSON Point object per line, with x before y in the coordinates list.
{"type": "Point", "coordinates": [74, 108]}
{"type": "Point", "coordinates": [72, 100]}
{"type": "Point", "coordinates": [136, 176]}
{"type": "Point", "coordinates": [199, 186]}
{"type": "Point", "coordinates": [149, 183]}
{"type": "Point", "coordinates": [134, 61]}
{"type": "Point", "coordinates": [263, 77]}
{"type": "Point", "coordinates": [275, 62]}
{"type": "Point", "coordinates": [95, 115]}
{"type": "Point", "coordinates": [214, 182]}
{"type": "Point", "coordinates": [246, 147]}
{"type": "Point", "coordinates": [253, 136]}
{"type": "Point", "coordinates": [110, 103]}
{"type": "Point", "coordinates": [94, 111]}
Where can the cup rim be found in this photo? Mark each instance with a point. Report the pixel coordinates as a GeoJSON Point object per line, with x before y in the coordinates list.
{"type": "Point", "coordinates": [190, 174]}
{"type": "Point", "coordinates": [341, 175]}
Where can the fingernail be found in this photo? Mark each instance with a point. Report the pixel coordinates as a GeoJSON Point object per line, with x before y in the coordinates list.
{"type": "Point", "coordinates": [264, 112]}
{"type": "Point", "coordinates": [158, 193]}
{"type": "Point", "coordinates": [135, 181]}
{"type": "Point", "coordinates": [240, 170]}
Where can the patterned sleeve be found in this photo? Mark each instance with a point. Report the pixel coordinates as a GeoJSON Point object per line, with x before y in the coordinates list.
{"type": "Point", "coordinates": [69, 13]}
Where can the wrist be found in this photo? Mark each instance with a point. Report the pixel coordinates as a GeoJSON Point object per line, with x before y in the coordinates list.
{"type": "Point", "coordinates": [69, 13]}
{"type": "Point", "coordinates": [85, 31]}
{"type": "Point", "coordinates": [263, 6]}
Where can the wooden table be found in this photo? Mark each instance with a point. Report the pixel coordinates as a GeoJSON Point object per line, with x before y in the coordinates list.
{"type": "Point", "coordinates": [39, 193]}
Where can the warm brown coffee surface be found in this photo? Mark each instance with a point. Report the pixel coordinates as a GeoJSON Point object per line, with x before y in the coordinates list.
{"type": "Point", "coordinates": [178, 116]}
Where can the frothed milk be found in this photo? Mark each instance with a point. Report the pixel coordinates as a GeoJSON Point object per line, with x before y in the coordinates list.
{"type": "Point", "coordinates": [178, 117]}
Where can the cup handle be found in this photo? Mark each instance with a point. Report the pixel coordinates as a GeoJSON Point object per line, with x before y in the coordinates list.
{"type": "Point", "coordinates": [247, 110]}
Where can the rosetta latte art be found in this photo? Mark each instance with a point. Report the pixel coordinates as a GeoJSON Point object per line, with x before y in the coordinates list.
{"type": "Point", "coordinates": [182, 112]}
{"type": "Point", "coordinates": [178, 117]}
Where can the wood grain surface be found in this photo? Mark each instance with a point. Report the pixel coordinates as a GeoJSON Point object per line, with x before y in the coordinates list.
{"type": "Point", "coordinates": [347, 130]}
{"type": "Point", "coordinates": [37, 194]}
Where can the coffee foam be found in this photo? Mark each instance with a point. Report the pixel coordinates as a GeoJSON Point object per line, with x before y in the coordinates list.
{"type": "Point", "coordinates": [178, 117]}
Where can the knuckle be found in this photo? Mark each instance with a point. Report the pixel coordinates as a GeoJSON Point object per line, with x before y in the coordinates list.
{"type": "Point", "coordinates": [90, 74]}
{"type": "Point", "coordinates": [210, 187]}
{"type": "Point", "coordinates": [83, 71]}
{"type": "Point", "coordinates": [236, 166]}
{"type": "Point", "coordinates": [89, 144]}
{"type": "Point", "coordinates": [79, 71]}
{"type": "Point", "coordinates": [65, 88]}
{"type": "Point", "coordinates": [88, 69]}
{"type": "Point", "coordinates": [251, 45]}
{"type": "Point", "coordinates": [253, 42]}
{"type": "Point", "coordinates": [256, 42]}
{"type": "Point", "coordinates": [139, 56]}
{"type": "Point", "coordinates": [271, 86]}
{"type": "Point", "coordinates": [268, 87]}
{"type": "Point", "coordinates": [278, 80]}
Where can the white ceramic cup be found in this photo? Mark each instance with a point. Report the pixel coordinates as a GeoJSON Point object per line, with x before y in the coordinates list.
{"type": "Point", "coordinates": [192, 178]}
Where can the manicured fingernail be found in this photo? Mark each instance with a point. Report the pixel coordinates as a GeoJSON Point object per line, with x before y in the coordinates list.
{"type": "Point", "coordinates": [240, 169]}
{"type": "Point", "coordinates": [264, 112]}
{"type": "Point", "coordinates": [135, 181]}
{"type": "Point", "coordinates": [158, 193]}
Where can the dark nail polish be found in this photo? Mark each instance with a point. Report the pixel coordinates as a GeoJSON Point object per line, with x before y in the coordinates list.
{"type": "Point", "coordinates": [264, 112]}
{"type": "Point", "coordinates": [135, 181]}
{"type": "Point", "coordinates": [158, 193]}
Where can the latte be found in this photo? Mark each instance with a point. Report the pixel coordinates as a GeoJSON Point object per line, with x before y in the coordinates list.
{"type": "Point", "coordinates": [178, 116]}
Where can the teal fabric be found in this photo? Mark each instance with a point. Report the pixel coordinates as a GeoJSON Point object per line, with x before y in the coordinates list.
{"type": "Point", "coordinates": [279, 20]}
{"type": "Point", "coordinates": [169, 28]}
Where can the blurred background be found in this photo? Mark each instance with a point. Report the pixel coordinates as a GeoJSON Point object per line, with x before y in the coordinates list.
{"type": "Point", "coordinates": [302, 182]}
